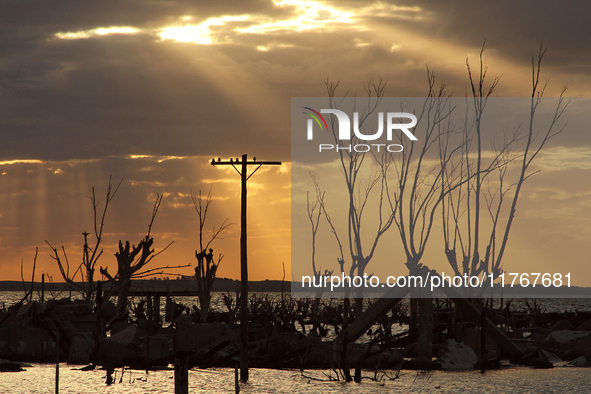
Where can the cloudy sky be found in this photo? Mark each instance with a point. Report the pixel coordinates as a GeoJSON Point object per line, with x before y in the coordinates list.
{"type": "Point", "coordinates": [149, 91]}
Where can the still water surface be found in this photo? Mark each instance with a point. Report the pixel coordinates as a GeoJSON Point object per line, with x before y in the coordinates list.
{"type": "Point", "coordinates": [40, 378]}
{"type": "Point", "coordinates": [8, 298]}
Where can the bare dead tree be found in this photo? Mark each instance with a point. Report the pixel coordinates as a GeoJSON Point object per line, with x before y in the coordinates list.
{"type": "Point", "coordinates": [132, 261]}
{"type": "Point", "coordinates": [419, 172]}
{"type": "Point", "coordinates": [419, 175]}
{"type": "Point", "coordinates": [206, 269]}
{"type": "Point", "coordinates": [90, 254]}
{"type": "Point", "coordinates": [364, 183]}
{"type": "Point", "coordinates": [315, 210]}
{"type": "Point", "coordinates": [411, 199]}
{"type": "Point", "coordinates": [360, 188]}
{"type": "Point", "coordinates": [475, 223]}
{"type": "Point", "coordinates": [32, 276]}
{"type": "Point", "coordinates": [340, 258]}
{"type": "Point", "coordinates": [445, 172]}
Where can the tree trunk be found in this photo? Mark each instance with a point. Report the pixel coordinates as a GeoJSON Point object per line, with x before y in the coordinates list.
{"type": "Point", "coordinates": [122, 295]}
{"type": "Point", "coordinates": [425, 326]}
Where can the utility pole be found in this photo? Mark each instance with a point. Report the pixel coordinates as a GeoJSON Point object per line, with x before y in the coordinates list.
{"type": "Point", "coordinates": [244, 163]}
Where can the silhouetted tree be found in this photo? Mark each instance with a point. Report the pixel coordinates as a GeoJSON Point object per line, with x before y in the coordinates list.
{"type": "Point", "coordinates": [359, 190]}
{"type": "Point", "coordinates": [207, 266]}
{"type": "Point", "coordinates": [90, 254]}
{"type": "Point", "coordinates": [131, 260]}
{"type": "Point", "coordinates": [474, 221]}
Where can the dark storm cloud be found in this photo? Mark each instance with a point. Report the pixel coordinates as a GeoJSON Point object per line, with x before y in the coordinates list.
{"type": "Point", "coordinates": [93, 98]}
{"type": "Point", "coordinates": [115, 94]}
{"type": "Point", "coordinates": [121, 94]}
{"type": "Point", "coordinates": [51, 16]}
{"type": "Point", "coordinates": [514, 29]}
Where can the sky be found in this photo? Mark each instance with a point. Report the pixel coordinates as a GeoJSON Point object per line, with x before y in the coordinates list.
{"type": "Point", "coordinates": [147, 92]}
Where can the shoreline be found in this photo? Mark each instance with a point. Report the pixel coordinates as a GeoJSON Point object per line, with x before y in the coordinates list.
{"type": "Point", "coordinates": [174, 285]}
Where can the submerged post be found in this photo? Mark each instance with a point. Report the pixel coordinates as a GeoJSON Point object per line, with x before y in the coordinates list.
{"type": "Point", "coordinates": [243, 255]}
{"type": "Point", "coordinates": [57, 361]}
{"type": "Point", "coordinates": [236, 383]}
{"type": "Point", "coordinates": [157, 308]}
{"type": "Point", "coordinates": [425, 326]}
{"type": "Point", "coordinates": [42, 288]}
{"type": "Point", "coordinates": [181, 372]}
{"type": "Point", "coordinates": [100, 328]}
{"type": "Point", "coordinates": [483, 339]}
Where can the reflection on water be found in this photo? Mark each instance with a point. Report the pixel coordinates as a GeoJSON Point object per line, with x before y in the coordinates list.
{"type": "Point", "coordinates": [40, 378]}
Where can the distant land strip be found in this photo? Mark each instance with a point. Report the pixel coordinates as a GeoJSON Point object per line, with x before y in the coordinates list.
{"type": "Point", "coordinates": [188, 287]}
{"type": "Point", "coordinates": [164, 285]}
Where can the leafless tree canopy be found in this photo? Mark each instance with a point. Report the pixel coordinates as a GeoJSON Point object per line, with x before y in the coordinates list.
{"type": "Point", "coordinates": [206, 269]}
{"type": "Point", "coordinates": [132, 261]}
{"type": "Point", "coordinates": [475, 221]}
{"type": "Point", "coordinates": [474, 194]}
{"type": "Point", "coordinates": [90, 254]}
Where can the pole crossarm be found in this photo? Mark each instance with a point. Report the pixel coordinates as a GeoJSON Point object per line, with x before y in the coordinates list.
{"type": "Point", "coordinates": [238, 161]}
{"type": "Point", "coordinates": [233, 163]}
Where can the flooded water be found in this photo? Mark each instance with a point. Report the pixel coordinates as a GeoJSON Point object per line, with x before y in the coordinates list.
{"type": "Point", "coordinates": [217, 301]}
{"type": "Point", "coordinates": [9, 298]}
{"type": "Point", "coordinates": [40, 378]}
